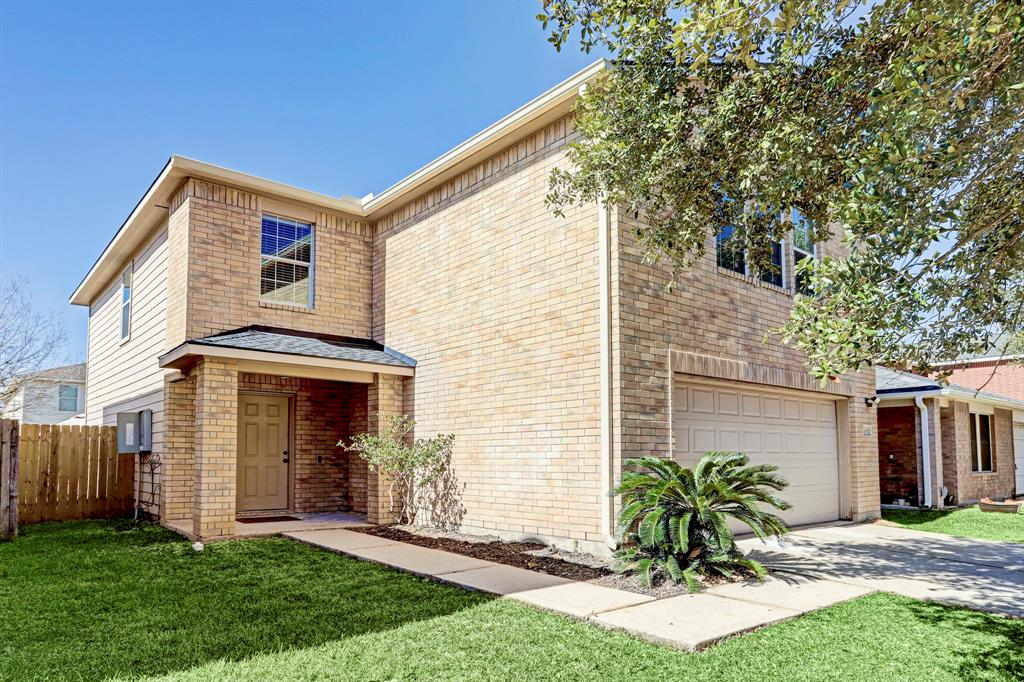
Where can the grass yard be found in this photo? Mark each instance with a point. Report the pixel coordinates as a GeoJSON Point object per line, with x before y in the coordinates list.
{"type": "Point", "coordinates": [970, 522]}
{"type": "Point", "coordinates": [102, 600]}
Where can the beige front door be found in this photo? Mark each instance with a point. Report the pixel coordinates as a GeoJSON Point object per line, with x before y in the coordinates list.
{"type": "Point", "coordinates": [262, 452]}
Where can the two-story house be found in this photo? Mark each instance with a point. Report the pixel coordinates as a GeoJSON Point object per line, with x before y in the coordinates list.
{"type": "Point", "coordinates": [47, 396]}
{"type": "Point", "coordinates": [262, 323]}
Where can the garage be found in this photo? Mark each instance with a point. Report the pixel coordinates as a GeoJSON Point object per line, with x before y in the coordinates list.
{"type": "Point", "coordinates": [795, 431]}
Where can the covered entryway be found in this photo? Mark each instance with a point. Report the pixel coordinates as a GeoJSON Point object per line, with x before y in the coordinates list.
{"type": "Point", "coordinates": [796, 431]}
{"type": "Point", "coordinates": [1018, 455]}
{"type": "Point", "coordinates": [263, 452]}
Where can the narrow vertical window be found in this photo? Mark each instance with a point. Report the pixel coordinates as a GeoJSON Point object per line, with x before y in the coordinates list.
{"type": "Point", "coordinates": [981, 442]}
{"type": "Point", "coordinates": [804, 251]}
{"type": "Point", "coordinates": [730, 252]}
{"type": "Point", "coordinates": [126, 303]}
{"type": "Point", "coordinates": [67, 397]}
{"type": "Point", "coordinates": [286, 262]}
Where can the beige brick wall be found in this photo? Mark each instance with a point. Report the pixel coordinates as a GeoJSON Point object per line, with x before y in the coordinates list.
{"type": "Point", "coordinates": [221, 289]}
{"type": "Point", "coordinates": [497, 300]}
{"type": "Point", "coordinates": [385, 398]}
{"type": "Point", "coordinates": [216, 451]}
{"type": "Point", "coordinates": [714, 312]}
{"type": "Point", "coordinates": [177, 469]}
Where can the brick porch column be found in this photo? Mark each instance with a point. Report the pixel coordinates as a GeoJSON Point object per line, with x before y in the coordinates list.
{"type": "Point", "coordinates": [177, 465]}
{"type": "Point", "coordinates": [863, 437]}
{"type": "Point", "coordinates": [384, 398]}
{"type": "Point", "coordinates": [216, 450]}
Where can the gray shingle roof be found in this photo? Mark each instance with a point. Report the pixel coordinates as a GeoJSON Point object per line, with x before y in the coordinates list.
{"type": "Point", "coordinates": [891, 381]}
{"type": "Point", "coordinates": [65, 373]}
{"type": "Point", "coordinates": [273, 340]}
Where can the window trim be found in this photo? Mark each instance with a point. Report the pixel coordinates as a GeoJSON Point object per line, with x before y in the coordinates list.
{"type": "Point", "coordinates": [126, 335]}
{"type": "Point", "coordinates": [747, 272]}
{"type": "Point", "coordinates": [976, 443]}
{"type": "Point", "coordinates": [310, 295]}
{"type": "Point", "coordinates": [60, 397]}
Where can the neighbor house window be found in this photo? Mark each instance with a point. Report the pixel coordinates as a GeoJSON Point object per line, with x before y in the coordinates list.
{"type": "Point", "coordinates": [731, 254]}
{"type": "Point", "coordinates": [803, 250]}
{"type": "Point", "coordinates": [67, 398]}
{"type": "Point", "coordinates": [286, 263]}
{"type": "Point", "coordinates": [981, 442]}
{"type": "Point", "coordinates": [126, 303]}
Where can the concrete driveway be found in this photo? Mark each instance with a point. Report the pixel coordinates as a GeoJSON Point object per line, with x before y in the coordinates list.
{"type": "Point", "coordinates": [979, 574]}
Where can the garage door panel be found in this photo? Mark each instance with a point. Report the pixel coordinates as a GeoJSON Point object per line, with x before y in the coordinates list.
{"type": "Point", "coordinates": [797, 435]}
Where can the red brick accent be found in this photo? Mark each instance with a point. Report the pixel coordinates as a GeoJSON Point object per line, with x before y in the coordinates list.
{"type": "Point", "coordinates": [992, 377]}
{"type": "Point", "coordinates": [899, 454]}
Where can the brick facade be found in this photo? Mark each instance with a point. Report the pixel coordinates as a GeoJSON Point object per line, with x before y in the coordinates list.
{"type": "Point", "coordinates": [971, 486]}
{"type": "Point", "coordinates": [999, 377]}
{"type": "Point", "coordinates": [498, 301]}
{"type": "Point", "coordinates": [719, 322]}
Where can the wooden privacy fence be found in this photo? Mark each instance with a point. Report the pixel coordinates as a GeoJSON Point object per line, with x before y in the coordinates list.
{"type": "Point", "coordinates": [8, 478]}
{"type": "Point", "coordinates": [72, 472]}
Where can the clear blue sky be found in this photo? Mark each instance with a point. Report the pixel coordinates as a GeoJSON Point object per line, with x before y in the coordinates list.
{"type": "Point", "coordinates": [340, 98]}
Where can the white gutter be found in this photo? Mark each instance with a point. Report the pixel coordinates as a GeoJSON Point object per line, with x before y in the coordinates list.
{"type": "Point", "coordinates": [958, 394]}
{"type": "Point", "coordinates": [607, 447]}
{"type": "Point", "coordinates": [926, 450]}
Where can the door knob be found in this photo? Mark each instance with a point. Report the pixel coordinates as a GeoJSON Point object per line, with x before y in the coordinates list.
{"type": "Point", "coordinates": [284, 456]}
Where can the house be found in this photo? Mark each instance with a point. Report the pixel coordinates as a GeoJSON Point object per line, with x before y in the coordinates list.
{"type": "Point", "coordinates": [48, 396]}
{"type": "Point", "coordinates": [993, 372]}
{"type": "Point", "coordinates": [972, 448]}
{"type": "Point", "coordinates": [261, 323]}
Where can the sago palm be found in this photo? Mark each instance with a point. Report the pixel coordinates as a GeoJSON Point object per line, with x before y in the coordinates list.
{"type": "Point", "coordinates": [675, 520]}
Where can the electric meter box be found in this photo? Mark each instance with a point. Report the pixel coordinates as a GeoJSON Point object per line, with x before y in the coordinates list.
{"type": "Point", "coordinates": [135, 432]}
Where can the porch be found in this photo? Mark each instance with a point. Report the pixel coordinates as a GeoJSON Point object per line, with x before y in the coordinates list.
{"type": "Point", "coordinates": [259, 527]}
{"type": "Point", "coordinates": [252, 426]}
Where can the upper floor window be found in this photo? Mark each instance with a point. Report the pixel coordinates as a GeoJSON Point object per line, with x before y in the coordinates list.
{"type": "Point", "coordinates": [804, 249]}
{"type": "Point", "coordinates": [731, 254]}
{"type": "Point", "coordinates": [67, 398]}
{"type": "Point", "coordinates": [286, 262]}
{"type": "Point", "coordinates": [126, 303]}
{"type": "Point", "coordinates": [981, 442]}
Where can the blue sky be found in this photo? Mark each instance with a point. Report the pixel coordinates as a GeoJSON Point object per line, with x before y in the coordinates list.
{"type": "Point", "coordinates": [340, 98]}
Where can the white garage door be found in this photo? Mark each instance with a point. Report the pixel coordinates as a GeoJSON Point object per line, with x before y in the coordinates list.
{"type": "Point", "coordinates": [796, 433]}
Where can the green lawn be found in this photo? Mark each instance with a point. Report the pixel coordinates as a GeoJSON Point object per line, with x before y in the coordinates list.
{"type": "Point", "coordinates": [965, 523]}
{"type": "Point", "coordinates": [99, 600]}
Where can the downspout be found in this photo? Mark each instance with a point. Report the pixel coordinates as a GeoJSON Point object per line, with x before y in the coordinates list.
{"type": "Point", "coordinates": [604, 223]}
{"type": "Point", "coordinates": [926, 450]}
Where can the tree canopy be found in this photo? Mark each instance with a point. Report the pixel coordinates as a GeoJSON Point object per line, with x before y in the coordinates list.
{"type": "Point", "coordinates": [897, 125]}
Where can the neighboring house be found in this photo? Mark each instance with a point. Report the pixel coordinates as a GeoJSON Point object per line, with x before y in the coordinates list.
{"type": "Point", "coordinates": [262, 323]}
{"type": "Point", "coordinates": [973, 446]}
{"type": "Point", "coordinates": [994, 373]}
{"type": "Point", "coordinates": [48, 396]}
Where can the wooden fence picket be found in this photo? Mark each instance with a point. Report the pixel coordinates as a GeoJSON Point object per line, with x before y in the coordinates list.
{"type": "Point", "coordinates": [51, 472]}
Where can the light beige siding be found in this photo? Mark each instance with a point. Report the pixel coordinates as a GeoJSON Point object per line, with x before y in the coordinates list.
{"type": "Point", "coordinates": [125, 376]}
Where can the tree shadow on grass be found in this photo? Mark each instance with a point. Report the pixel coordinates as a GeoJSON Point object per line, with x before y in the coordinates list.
{"type": "Point", "coordinates": [101, 599]}
{"type": "Point", "coordinates": [1000, 655]}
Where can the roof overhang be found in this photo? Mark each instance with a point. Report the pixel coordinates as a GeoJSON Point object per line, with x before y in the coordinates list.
{"type": "Point", "coordinates": [151, 210]}
{"type": "Point", "coordinates": [998, 360]}
{"type": "Point", "coordinates": [954, 392]}
{"type": "Point", "coordinates": [289, 364]}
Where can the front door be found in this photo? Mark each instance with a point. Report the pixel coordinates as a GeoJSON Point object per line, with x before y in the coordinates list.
{"type": "Point", "coordinates": [1018, 449]}
{"type": "Point", "coordinates": [262, 452]}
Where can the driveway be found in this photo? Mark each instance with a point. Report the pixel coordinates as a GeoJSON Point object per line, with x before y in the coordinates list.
{"type": "Point", "coordinates": [979, 574]}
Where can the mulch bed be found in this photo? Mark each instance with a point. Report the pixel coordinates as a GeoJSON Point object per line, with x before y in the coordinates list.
{"type": "Point", "coordinates": [509, 553]}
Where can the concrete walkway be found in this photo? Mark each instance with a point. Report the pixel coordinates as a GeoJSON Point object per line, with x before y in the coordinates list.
{"type": "Point", "coordinates": [983, 575]}
{"type": "Point", "coordinates": [691, 622]}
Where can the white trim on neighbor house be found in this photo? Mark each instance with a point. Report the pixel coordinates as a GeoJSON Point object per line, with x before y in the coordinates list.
{"type": "Point", "coordinates": [152, 207]}
{"type": "Point", "coordinates": [184, 354]}
{"type": "Point", "coordinates": [976, 401]}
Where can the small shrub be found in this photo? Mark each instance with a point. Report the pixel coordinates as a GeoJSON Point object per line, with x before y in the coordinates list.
{"type": "Point", "coordinates": [674, 519]}
{"type": "Point", "coordinates": [410, 467]}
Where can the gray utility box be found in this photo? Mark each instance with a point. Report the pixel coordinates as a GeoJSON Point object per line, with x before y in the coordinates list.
{"type": "Point", "coordinates": [135, 432]}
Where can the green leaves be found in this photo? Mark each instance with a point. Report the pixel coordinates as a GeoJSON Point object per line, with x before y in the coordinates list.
{"type": "Point", "coordinates": [675, 519]}
{"type": "Point", "coordinates": [896, 128]}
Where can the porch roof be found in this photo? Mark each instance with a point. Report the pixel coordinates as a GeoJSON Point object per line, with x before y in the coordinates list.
{"type": "Point", "coordinates": [275, 346]}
